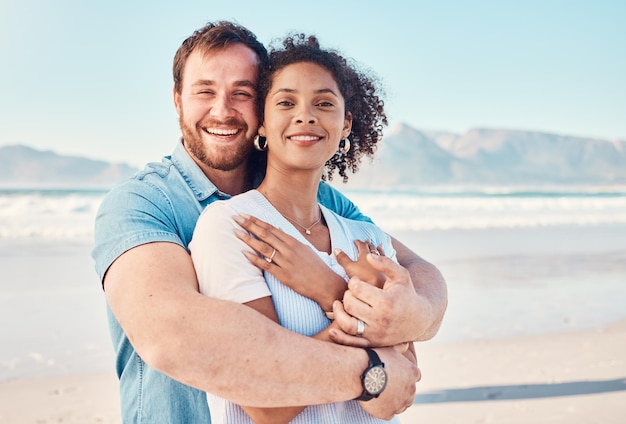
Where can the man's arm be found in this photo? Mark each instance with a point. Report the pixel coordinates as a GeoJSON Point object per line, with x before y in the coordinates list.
{"type": "Point", "coordinates": [219, 346]}
{"type": "Point", "coordinates": [409, 307]}
{"type": "Point", "coordinates": [431, 289]}
{"type": "Point", "coordinates": [424, 311]}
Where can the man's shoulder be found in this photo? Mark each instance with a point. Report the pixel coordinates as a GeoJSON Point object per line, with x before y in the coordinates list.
{"type": "Point", "coordinates": [154, 177]}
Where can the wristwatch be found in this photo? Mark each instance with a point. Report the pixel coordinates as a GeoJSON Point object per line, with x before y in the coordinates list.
{"type": "Point", "coordinates": [374, 378]}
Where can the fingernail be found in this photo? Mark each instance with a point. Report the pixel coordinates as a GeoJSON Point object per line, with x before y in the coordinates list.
{"type": "Point", "coordinates": [239, 233]}
{"type": "Point", "coordinates": [245, 215]}
{"type": "Point", "coordinates": [238, 219]}
{"type": "Point", "coordinates": [337, 251]}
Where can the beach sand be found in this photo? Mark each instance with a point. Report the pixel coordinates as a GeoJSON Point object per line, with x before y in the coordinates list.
{"type": "Point", "coordinates": [535, 330]}
{"type": "Point", "coordinates": [576, 377]}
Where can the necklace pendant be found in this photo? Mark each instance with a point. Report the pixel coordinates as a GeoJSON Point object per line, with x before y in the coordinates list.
{"type": "Point", "coordinates": [307, 231]}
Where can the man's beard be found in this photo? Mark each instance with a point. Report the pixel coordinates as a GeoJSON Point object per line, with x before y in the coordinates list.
{"type": "Point", "coordinates": [226, 160]}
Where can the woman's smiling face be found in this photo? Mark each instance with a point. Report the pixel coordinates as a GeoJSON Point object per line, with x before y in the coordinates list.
{"type": "Point", "coordinates": [304, 117]}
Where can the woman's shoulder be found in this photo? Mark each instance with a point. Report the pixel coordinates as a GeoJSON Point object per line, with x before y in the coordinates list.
{"type": "Point", "coordinates": [243, 202]}
{"type": "Point", "coordinates": [357, 227]}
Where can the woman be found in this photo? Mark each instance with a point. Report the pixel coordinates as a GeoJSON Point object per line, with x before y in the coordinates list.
{"type": "Point", "coordinates": [315, 103]}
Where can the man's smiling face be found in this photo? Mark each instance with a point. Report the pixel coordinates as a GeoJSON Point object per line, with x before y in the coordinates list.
{"type": "Point", "coordinates": [217, 106]}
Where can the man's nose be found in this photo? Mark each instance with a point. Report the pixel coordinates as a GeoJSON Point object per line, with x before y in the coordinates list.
{"type": "Point", "coordinates": [222, 106]}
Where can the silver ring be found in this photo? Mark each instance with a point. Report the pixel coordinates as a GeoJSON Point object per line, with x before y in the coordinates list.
{"type": "Point", "coordinates": [271, 258]}
{"type": "Point", "coordinates": [360, 328]}
{"type": "Point", "coordinates": [372, 248]}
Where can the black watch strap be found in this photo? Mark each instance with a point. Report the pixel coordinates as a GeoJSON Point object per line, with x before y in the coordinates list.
{"type": "Point", "coordinates": [374, 360]}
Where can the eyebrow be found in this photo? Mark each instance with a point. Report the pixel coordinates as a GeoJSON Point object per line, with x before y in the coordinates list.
{"type": "Point", "coordinates": [320, 91]}
{"type": "Point", "coordinates": [242, 83]}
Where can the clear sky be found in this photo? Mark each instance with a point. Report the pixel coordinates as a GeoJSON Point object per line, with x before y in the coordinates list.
{"type": "Point", "coordinates": [93, 78]}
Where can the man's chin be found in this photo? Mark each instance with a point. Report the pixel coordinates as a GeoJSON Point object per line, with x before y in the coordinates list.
{"type": "Point", "coordinates": [226, 161]}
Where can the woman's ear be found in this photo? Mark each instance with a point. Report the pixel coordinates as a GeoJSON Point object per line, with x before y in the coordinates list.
{"type": "Point", "coordinates": [347, 125]}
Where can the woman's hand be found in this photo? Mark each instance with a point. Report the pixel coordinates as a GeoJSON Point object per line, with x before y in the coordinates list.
{"type": "Point", "coordinates": [361, 268]}
{"type": "Point", "coordinates": [293, 263]}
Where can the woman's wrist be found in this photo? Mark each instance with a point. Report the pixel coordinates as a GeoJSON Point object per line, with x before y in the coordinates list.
{"type": "Point", "coordinates": [332, 289]}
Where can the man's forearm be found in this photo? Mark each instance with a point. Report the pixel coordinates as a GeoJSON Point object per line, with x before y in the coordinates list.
{"type": "Point", "coordinates": [431, 288]}
{"type": "Point", "coordinates": [234, 361]}
{"type": "Point", "coordinates": [219, 346]}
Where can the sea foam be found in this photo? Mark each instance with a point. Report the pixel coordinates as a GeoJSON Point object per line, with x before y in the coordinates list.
{"type": "Point", "coordinates": [70, 214]}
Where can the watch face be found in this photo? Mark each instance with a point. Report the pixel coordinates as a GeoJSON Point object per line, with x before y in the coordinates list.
{"type": "Point", "coordinates": [375, 380]}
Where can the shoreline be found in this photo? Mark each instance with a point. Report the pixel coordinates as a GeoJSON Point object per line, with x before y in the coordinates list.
{"type": "Point", "coordinates": [566, 377]}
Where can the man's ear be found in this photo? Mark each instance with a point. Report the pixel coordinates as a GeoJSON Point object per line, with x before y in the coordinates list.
{"type": "Point", "coordinates": [177, 102]}
{"type": "Point", "coordinates": [347, 125]}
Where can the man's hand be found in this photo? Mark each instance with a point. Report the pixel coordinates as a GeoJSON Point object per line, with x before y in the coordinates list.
{"type": "Point", "coordinates": [391, 314]}
{"type": "Point", "coordinates": [402, 374]}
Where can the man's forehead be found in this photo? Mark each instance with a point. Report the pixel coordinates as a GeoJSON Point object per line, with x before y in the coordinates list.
{"type": "Point", "coordinates": [236, 51]}
{"type": "Point", "coordinates": [237, 61]}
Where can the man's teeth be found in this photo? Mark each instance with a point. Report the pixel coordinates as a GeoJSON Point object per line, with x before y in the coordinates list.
{"type": "Point", "coordinates": [216, 131]}
{"type": "Point", "coordinates": [304, 138]}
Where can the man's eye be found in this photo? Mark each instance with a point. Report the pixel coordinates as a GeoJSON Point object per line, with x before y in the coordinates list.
{"type": "Point", "coordinates": [285, 103]}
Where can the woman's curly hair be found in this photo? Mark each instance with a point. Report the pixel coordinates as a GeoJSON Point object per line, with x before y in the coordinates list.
{"type": "Point", "coordinates": [359, 90]}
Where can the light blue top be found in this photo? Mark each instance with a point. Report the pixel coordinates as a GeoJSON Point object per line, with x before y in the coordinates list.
{"type": "Point", "coordinates": [236, 279]}
{"type": "Point", "coordinates": [161, 203]}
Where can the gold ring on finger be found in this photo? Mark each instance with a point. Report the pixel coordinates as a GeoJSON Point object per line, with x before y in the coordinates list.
{"type": "Point", "coordinates": [270, 259]}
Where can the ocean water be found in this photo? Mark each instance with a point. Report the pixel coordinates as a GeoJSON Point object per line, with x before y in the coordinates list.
{"type": "Point", "coordinates": [69, 214]}
{"type": "Point", "coordinates": [460, 208]}
{"type": "Point", "coordinates": [517, 262]}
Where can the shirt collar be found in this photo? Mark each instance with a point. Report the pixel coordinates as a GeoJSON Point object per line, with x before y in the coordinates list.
{"type": "Point", "coordinates": [199, 184]}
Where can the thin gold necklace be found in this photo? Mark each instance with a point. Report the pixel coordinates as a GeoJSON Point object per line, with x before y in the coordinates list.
{"type": "Point", "coordinates": [307, 231]}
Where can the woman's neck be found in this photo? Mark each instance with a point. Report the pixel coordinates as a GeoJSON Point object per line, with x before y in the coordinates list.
{"type": "Point", "coordinates": [294, 196]}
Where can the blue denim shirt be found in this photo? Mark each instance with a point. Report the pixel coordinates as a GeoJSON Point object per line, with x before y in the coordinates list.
{"type": "Point", "coordinates": [161, 203]}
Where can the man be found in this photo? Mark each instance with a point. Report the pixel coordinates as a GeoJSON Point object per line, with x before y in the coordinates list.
{"type": "Point", "coordinates": [173, 343]}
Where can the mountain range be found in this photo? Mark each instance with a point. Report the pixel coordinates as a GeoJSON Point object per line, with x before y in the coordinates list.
{"type": "Point", "coordinates": [406, 158]}
{"type": "Point", "coordinates": [409, 158]}
{"type": "Point", "coordinates": [23, 166]}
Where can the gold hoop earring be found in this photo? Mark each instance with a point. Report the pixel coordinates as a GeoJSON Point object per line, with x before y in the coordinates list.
{"type": "Point", "coordinates": [260, 143]}
{"type": "Point", "coordinates": [344, 145]}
